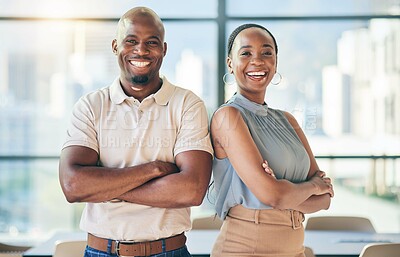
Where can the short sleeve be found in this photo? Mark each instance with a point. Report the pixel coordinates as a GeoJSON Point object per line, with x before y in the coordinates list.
{"type": "Point", "coordinates": [82, 130]}
{"type": "Point", "coordinates": [194, 133]}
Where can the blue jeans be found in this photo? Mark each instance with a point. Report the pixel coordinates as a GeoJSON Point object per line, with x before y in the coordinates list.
{"type": "Point", "coordinates": [181, 252]}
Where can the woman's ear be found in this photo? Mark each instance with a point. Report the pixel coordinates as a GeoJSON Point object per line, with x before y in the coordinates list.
{"type": "Point", "coordinates": [229, 64]}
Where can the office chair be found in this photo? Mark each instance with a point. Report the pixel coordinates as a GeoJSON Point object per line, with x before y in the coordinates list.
{"type": "Point", "coordinates": [210, 222]}
{"type": "Point", "coordinates": [69, 248]}
{"type": "Point", "coordinates": [12, 250]}
{"type": "Point", "coordinates": [345, 223]}
{"type": "Point", "coordinates": [381, 250]}
{"type": "Point", "coordinates": [308, 252]}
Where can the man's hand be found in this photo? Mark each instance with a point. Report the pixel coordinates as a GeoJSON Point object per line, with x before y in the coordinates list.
{"type": "Point", "coordinates": [164, 168]}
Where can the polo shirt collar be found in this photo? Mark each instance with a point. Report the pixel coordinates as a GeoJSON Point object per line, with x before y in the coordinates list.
{"type": "Point", "coordinates": [164, 94]}
{"type": "Point", "coordinates": [161, 97]}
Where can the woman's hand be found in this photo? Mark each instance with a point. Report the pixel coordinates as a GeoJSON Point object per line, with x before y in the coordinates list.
{"type": "Point", "coordinates": [322, 183]}
{"type": "Point", "coordinates": [267, 169]}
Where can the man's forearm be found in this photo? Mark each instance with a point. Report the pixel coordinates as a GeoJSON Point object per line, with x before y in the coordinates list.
{"type": "Point", "coordinates": [172, 191]}
{"type": "Point", "coordinates": [184, 189]}
{"type": "Point", "coordinates": [97, 184]}
{"type": "Point", "coordinates": [83, 181]}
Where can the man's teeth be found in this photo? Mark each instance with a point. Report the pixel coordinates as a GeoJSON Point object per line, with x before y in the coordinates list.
{"type": "Point", "coordinates": [256, 73]}
{"type": "Point", "coordinates": [139, 64]}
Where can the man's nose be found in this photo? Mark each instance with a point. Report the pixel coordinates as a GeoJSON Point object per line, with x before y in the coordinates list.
{"type": "Point", "coordinates": [141, 49]}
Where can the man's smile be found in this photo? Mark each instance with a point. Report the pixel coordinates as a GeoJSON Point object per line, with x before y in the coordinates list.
{"type": "Point", "coordinates": [139, 64]}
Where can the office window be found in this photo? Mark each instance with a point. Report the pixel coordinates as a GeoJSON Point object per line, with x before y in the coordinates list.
{"type": "Point", "coordinates": [106, 8]}
{"type": "Point", "coordinates": [270, 8]}
{"type": "Point", "coordinates": [340, 66]}
{"type": "Point", "coordinates": [46, 66]}
{"type": "Point", "coordinates": [335, 81]}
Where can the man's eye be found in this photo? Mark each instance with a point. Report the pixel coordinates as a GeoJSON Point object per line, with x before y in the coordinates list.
{"type": "Point", "coordinates": [245, 53]}
{"type": "Point", "coordinates": [131, 41]}
{"type": "Point", "coordinates": [267, 53]}
{"type": "Point", "coordinates": [152, 43]}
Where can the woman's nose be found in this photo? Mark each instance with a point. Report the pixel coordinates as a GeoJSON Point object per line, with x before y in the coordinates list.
{"type": "Point", "coordinates": [256, 60]}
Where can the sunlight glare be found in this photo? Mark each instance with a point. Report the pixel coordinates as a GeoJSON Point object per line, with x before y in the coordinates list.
{"type": "Point", "coordinates": [57, 9]}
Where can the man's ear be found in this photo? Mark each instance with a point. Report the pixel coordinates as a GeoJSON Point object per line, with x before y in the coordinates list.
{"type": "Point", "coordinates": [114, 46]}
{"type": "Point", "coordinates": [229, 64]}
{"type": "Point", "coordinates": [165, 48]}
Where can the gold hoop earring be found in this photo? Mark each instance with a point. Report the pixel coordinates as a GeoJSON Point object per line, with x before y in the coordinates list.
{"type": "Point", "coordinates": [226, 80]}
{"type": "Point", "coordinates": [276, 79]}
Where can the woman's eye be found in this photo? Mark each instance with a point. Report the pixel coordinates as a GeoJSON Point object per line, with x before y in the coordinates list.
{"type": "Point", "coordinates": [245, 53]}
{"type": "Point", "coordinates": [268, 53]}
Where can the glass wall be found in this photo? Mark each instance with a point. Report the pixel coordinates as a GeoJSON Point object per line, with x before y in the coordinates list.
{"type": "Point", "coordinates": [308, 8]}
{"type": "Point", "coordinates": [340, 63]}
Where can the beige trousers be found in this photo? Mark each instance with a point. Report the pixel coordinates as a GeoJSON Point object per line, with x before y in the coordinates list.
{"type": "Point", "coordinates": [247, 232]}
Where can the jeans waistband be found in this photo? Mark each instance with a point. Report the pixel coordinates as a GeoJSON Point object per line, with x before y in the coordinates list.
{"type": "Point", "coordinates": [126, 248]}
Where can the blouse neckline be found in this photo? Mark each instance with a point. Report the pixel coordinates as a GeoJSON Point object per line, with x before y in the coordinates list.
{"type": "Point", "coordinates": [256, 108]}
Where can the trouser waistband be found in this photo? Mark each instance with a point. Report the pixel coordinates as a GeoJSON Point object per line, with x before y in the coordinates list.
{"type": "Point", "coordinates": [291, 218]}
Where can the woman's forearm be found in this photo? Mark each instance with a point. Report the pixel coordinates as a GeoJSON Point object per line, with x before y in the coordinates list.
{"type": "Point", "coordinates": [314, 203]}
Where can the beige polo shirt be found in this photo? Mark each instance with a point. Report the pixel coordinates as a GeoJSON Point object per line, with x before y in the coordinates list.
{"type": "Point", "coordinates": [126, 132]}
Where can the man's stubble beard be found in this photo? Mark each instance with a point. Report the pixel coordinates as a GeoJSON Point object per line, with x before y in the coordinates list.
{"type": "Point", "coordinates": [143, 79]}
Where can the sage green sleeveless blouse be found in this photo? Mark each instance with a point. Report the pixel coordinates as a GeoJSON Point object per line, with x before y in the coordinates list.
{"type": "Point", "coordinates": [277, 142]}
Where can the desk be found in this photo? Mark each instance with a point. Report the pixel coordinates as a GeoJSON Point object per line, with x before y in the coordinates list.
{"type": "Point", "coordinates": [200, 242]}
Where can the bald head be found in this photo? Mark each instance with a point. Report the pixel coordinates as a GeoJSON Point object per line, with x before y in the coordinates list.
{"type": "Point", "coordinates": [140, 49]}
{"type": "Point", "coordinates": [137, 13]}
